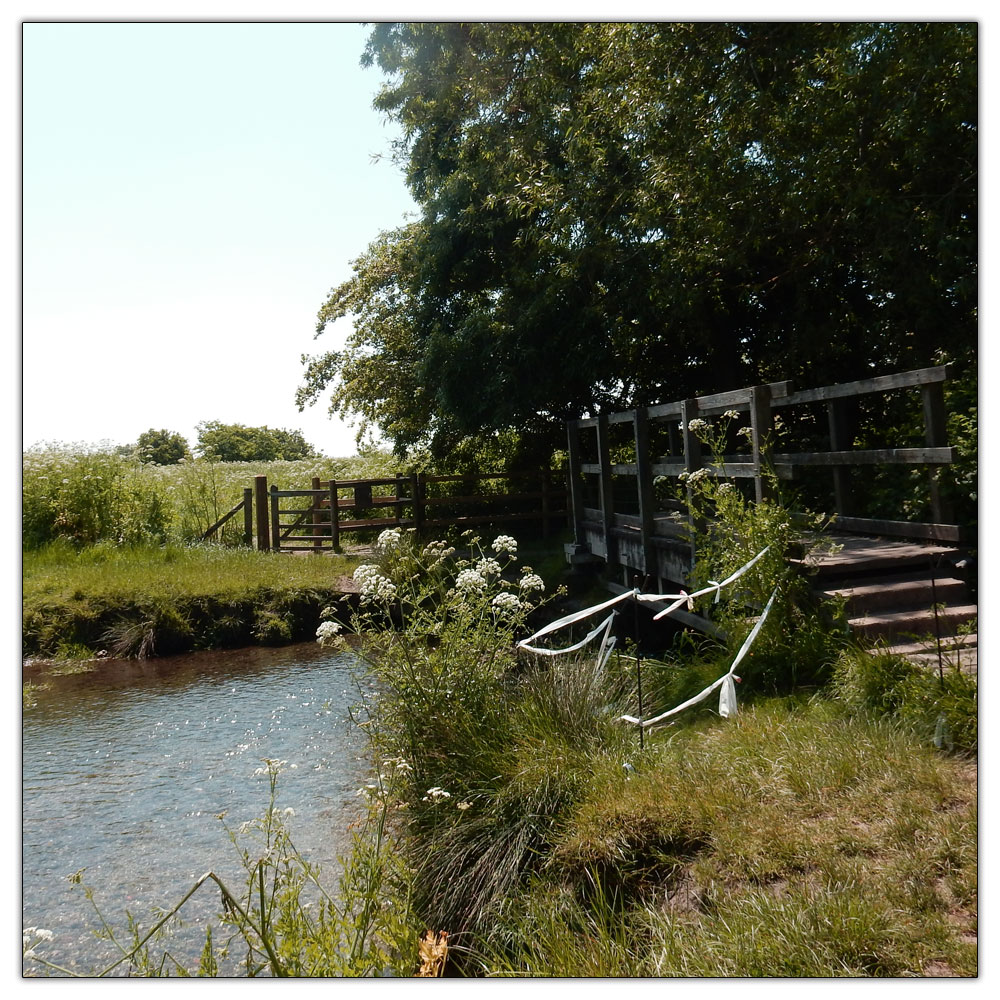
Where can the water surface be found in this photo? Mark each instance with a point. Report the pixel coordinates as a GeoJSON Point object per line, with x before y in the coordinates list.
{"type": "Point", "coordinates": [126, 770]}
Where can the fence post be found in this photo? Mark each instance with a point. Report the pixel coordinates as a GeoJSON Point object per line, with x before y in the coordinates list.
{"type": "Point", "coordinates": [260, 498]}
{"type": "Point", "coordinates": [762, 424]}
{"type": "Point", "coordinates": [334, 516]}
{"type": "Point", "coordinates": [936, 436]}
{"type": "Point", "coordinates": [417, 488]}
{"type": "Point", "coordinates": [606, 494]}
{"type": "Point", "coordinates": [644, 484]}
{"type": "Point", "coordinates": [399, 496]}
{"type": "Point", "coordinates": [317, 529]}
{"type": "Point", "coordinates": [275, 521]}
{"type": "Point", "coordinates": [248, 517]}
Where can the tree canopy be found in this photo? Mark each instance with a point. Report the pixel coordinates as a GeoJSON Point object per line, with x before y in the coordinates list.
{"type": "Point", "coordinates": [620, 214]}
{"type": "Point", "coordinates": [238, 443]}
{"type": "Point", "coordinates": [161, 447]}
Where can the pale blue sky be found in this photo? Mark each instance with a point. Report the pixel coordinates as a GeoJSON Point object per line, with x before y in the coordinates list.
{"type": "Point", "coordinates": [191, 192]}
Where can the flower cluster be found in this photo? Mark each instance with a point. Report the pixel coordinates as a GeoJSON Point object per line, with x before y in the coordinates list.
{"type": "Point", "coordinates": [505, 603]}
{"type": "Point", "coordinates": [694, 477]}
{"type": "Point", "coordinates": [531, 581]}
{"type": "Point", "coordinates": [746, 432]}
{"type": "Point", "coordinates": [470, 579]}
{"type": "Point", "coordinates": [731, 414]}
{"type": "Point", "coordinates": [697, 425]}
{"type": "Point", "coordinates": [388, 540]}
{"type": "Point", "coordinates": [436, 794]}
{"type": "Point", "coordinates": [328, 634]}
{"type": "Point", "coordinates": [373, 585]}
{"type": "Point", "coordinates": [488, 566]}
{"type": "Point", "coordinates": [504, 543]}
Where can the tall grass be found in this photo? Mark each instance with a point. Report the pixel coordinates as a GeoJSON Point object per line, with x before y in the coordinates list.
{"type": "Point", "coordinates": [84, 494]}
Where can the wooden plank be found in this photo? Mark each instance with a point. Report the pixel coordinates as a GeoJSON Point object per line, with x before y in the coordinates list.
{"type": "Point", "coordinates": [663, 410]}
{"type": "Point", "coordinates": [248, 516]}
{"type": "Point", "coordinates": [881, 383]}
{"type": "Point", "coordinates": [275, 521]}
{"type": "Point", "coordinates": [334, 504]}
{"type": "Point", "coordinates": [574, 473]}
{"type": "Point", "coordinates": [875, 456]}
{"type": "Point", "coordinates": [901, 529]}
{"type": "Point", "coordinates": [222, 520]}
{"type": "Point", "coordinates": [483, 498]}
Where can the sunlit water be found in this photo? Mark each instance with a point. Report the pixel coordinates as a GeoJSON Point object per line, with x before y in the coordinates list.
{"type": "Point", "coordinates": [126, 770]}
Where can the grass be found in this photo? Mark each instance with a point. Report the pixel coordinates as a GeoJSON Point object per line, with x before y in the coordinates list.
{"type": "Point", "coordinates": [794, 840]}
{"type": "Point", "coordinates": [144, 600]}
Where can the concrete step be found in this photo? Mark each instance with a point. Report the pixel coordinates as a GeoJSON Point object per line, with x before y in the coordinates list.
{"type": "Point", "coordinates": [914, 622]}
{"type": "Point", "coordinates": [910, 590]}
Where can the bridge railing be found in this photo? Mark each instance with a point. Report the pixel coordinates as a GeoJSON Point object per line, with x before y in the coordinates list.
{"type": "Point", "coordinates": [615, 504]}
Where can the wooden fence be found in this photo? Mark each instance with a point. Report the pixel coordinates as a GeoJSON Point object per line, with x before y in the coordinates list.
{"type": "Point", "coordinates": [313, 519]}
{"type": "Point", "coordinates": [615, 512]}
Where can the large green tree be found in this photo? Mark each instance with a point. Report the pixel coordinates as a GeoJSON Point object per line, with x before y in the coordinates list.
{"type": "Point", "coordinates": [239, 443]}
{"type": "Point", "coordinates": [619, 214]}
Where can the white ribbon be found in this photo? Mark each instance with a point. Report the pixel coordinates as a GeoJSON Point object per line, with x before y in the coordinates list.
{"type": "Point", "coordinates": [727, 698]}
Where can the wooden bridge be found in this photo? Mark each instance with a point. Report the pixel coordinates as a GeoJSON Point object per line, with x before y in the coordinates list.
{"type": "Point", "coordinates": [625, 475]}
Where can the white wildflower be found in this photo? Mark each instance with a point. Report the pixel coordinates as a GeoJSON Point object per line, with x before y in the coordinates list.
{"type": "Point", "coordinates": [698, 475]}
{"type": "Point", "coordinates": [436, 794]}
{"type": "Point", "coordinates": [696, 425]}
{"type": "Point", "coordinates": [506, 603]}
{"type": "Point", "coordinates": [532, 581]}
{"type": "Point", "coordinates": [504, 543]}
{"type": "Point", "coordinates": [746, 432]}
{"type": "Point", "coordinates": [373, 585]}
{"type": "Point", "coordinates": [328, 633]}
{"type": "Point", "coordinates": [464, 805]}
{"type": "Point", "coordinates": [488, 566]}
{"type": "Point", "coordinates": [470, 579]}
{"type": "Point", "coordinates": [731, 415]}
{"type": "Point", "coordinates": [388, 540]}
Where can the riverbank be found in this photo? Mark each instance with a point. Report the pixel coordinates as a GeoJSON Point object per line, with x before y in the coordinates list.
{"type": "Point", "coordinates": [109, 601]}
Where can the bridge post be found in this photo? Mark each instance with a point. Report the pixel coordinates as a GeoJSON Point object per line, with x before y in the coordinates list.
{"type": "Point", "coordinates": [607, 494]}
{"type": "Point", "coordinates": [334, 516]}
{"type": "Point", "coordinates": [692, 460]}
{"type": "Point", "coordinates": [837, 417]}
{"type": "Point", "coordinates": [316, 531]}
{"type": "Point", "coordinates": [762, 424]}
{"type": "Point", "coordinates": [644, 484]}
{"type": "Point", "coordinates": [575, 486]}
{"type": "Point", "coordinates": [936, 436]}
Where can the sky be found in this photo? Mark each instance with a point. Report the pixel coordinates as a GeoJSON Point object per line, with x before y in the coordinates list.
{"type": "Point", "coordinates": [191, 193]}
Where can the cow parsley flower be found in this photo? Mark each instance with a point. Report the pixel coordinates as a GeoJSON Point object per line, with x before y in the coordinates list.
{"type": "Point", "coordinates": [505, 603]}
{"type": "Point", "coordinates": [532, 581]}
{"type": "Point", "coordinates": [696, 425]}
{"type": "Point", "coordinates": [470, 579]}
{"type": "Point", "coordinates": [488, 566]}
{"type": "Point", "coordinates": [504, 543]}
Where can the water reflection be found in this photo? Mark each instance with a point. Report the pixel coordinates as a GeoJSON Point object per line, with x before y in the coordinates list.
{"type": "Point", "coordinates": [125, 771]}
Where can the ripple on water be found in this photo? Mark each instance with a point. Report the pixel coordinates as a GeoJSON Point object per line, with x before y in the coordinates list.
{"type": "Point", "coordinates": [125, 775]}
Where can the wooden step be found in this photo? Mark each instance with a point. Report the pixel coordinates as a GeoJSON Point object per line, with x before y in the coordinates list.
{"type": "Point", "coordinates": [859, 557]}
{"type": "Point", "coordinates": [960, 651]}
{"type": "Point", "coordinates": [910, 590]}
{"type": "Point", "coordinates": [948, 644]}
{"type": "Point", "coordinates": [915, 622]}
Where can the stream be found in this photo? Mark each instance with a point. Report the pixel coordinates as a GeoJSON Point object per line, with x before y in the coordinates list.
{"type": "Point", "coordinates": [126, 769]}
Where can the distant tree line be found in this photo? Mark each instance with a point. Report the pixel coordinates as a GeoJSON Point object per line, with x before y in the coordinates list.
{"type": "Point", "coordinates": [614, 215]}
{"type": "Point", "coordinates": [219, 442]}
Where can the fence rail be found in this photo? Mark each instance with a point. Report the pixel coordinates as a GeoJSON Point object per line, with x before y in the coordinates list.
{"type": "Point", "coordinates": [313, 519]}
{"type": "Point", "coordinates": [628, 528]}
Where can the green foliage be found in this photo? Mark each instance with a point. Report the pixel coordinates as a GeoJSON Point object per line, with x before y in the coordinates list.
{"type": "Point", "coordinates": [937, 706]}
{"type": "Point", "coordinates": [84, 494]}
{"type": "Point", "coordinates": [161, 447]}
{"type": "Point", "coordinates": [615, 214]}
{"type": "Point", "coordinates": [237, 443]}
